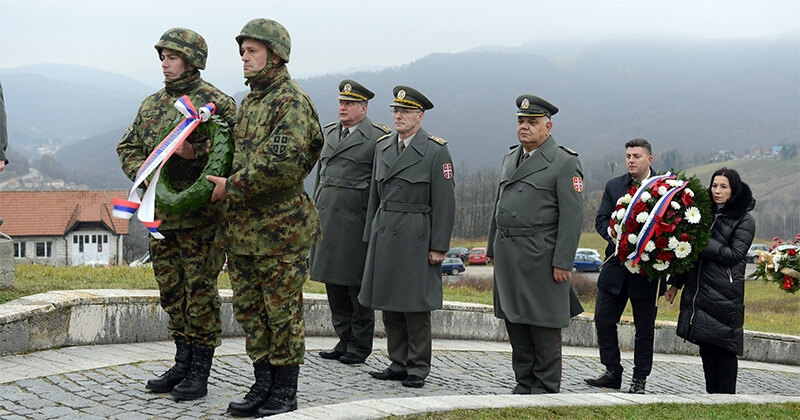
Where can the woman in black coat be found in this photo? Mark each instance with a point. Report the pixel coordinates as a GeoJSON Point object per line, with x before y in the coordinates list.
{"type": "Point", "coordinates": [712, 303]}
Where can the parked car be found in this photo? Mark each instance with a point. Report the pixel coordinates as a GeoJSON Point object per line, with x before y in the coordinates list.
{"type": "Point", "coordinates": [143, 261]}
{"type": "Point", "coordinates": [751, 256]}
{"type": "Point", "coordinates": [586, 263]}
{"type": "Point", "coordinates": [478, 256]}
{"type": "Point", "coordinates": [459, 252]}
{"type": "Point", "coordinates": [452, 266]}
{"type": "Point", "coordinates": [588, 251]}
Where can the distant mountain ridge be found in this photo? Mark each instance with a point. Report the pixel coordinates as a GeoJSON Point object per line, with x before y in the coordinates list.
{"type": "Point", "coordinates": [693, 96]}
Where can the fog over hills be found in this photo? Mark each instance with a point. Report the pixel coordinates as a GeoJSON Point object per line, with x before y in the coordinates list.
{"type": "Point", "coordinates": [693, 96]}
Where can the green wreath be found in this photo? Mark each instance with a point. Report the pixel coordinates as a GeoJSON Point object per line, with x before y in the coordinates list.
{"type": "Point", "coordinates": [220, 158]}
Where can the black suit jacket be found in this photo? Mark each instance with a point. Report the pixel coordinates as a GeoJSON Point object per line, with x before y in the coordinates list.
{"type": "Point", "coordinates": [613, 274]}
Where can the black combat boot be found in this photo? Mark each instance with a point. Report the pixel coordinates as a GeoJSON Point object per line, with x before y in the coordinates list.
{"type": "Point", "coordinates": [175, 374]}
{"type": "Point", "coordinates": [284, 392]}
{"type": "Point", "coordinates": [195, 385]}
{"type": "Point", "coordinates": [258, 394]}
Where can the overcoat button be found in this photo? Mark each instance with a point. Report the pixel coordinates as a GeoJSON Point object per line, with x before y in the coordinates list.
{"type": "Point", "coordinates": [519, 189]}
{"type": "Point", "coordinates": [513, 214]}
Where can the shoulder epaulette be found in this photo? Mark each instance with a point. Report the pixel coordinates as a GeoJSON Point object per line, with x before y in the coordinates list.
{"type": "Point", "coordinates": [383, 127]}
{"type": "Point", "coordinates": [330, 124]}
{"type": "Point", "coordinates": [568, 150]}
{"type": "Point", "coordinates": [438, 140]}
{"type": "Point", "coordinates": [512, 147]}
{"type": "Point", "coordinates": [383, 137]}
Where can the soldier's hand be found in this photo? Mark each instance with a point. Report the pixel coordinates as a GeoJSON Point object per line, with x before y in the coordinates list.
{"type": "Point", "coordinates": [560, 275]}
{"type": "Point", "coordinates": [219, 187]}
{"type": "Point", "coordinates": [435, 257]}
{"type": "Point", "coordinates": [186, 151]}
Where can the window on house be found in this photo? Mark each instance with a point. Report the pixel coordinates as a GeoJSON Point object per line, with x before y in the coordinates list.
{"type": "Point", "coordinates": [19, 250]}
{"type": "Point", "coordinates": [80, 243]}
{"type": "Point", "coordinates": [94, 238]}
{"type": "Point", "coordinates": [105, 239]}
{"type": "Point", "coordinates": [44, 249]}
{"type": "Point", "coordinates": [74, 239]}
{"type": "Point", "coordinates": [99, 244]}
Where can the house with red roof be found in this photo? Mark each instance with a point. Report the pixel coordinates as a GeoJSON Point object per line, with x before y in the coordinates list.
{"type": "Point", "coordinates": [63, 227]}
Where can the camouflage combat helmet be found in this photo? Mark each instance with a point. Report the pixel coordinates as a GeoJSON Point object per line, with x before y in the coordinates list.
{"type": "Point", "coordinates": [187, 42]}
{"type": "Point", "coordinates": [271, 33]}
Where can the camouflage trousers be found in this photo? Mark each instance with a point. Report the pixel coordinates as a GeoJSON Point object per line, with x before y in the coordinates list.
{"type": "Point", "coordinates": [186, 264]}
{"type": "Point", "coordinates": [268, 303]}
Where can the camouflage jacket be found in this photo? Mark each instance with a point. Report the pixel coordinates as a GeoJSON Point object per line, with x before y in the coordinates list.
{"type": "Point", "coordinates": [278, 140]}
{"type": "Point", "coordinates": [147, 131]}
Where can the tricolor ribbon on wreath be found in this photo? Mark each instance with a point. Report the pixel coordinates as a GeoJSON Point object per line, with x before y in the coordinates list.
{"type": "Point", "coordinates": [652, 224]}
{"type": "Point", "coordinates": [124, 209]}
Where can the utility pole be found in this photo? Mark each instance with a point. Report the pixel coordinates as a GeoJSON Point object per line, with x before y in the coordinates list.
{"type": "Point", "coordinates": [613, 165]}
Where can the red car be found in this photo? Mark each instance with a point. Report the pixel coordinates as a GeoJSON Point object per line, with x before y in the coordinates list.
{"type": "Point", "coordinates": [478, 256]}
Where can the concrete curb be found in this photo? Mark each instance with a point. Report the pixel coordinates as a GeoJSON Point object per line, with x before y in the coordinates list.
{"type": "Point", "coordinates": [373, 409]}
{"type": "Point", "coordinates": [107, 316]}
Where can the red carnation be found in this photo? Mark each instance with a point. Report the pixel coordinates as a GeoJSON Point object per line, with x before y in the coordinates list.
{"type": "Point", "coordinates": [631, 225]}
{"type": "Point", "coordinates": [620, 207]}
{"type": "Point", "coordinates": [684, 237]}
{"type": "Point", "coordinates": [687, 199]}
{"type": "Point", "coordinates": [791, 252]}
{"type": "Point", "coordinates": [665, 256]}
{"type": "Point", "coordinates": [788, 283]}
{"type": "Point", "coordinates": [661, 243]}
{"type": "Point", "coordinates": [632, 191]}
{"type": "Point", "coordinates": [639, 207]}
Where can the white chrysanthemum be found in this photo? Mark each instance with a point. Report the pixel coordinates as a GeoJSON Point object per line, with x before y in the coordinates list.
{"type": "Point", "coordinates": [642, 217]}
{"type": "Point", "coordinates": [618, 228]}
{"type": "Point", "coordinates": [645, 196]}
{"type": "Point", "coordinates": [650, 246]}
{"type": "Point", "coordinates": [674, 205]}
{"type": "Point", "coordinates": [616, 215]}
{"type": "Point", "coordinates": [693, 215]}
{"type": "Point", "coordinates": [672, 242]}
{"type": "Point", "coordinates": [625, 199]}
{"type": "Point", "coordinates": [673, 183]}
{"type": "Point", "coordinates": [690, 192]}
{"type": "Point", "coordinates": [683, 249]}
{"type": "Point", "coordinates": [661, 265]}
{"type": "Point", "coordinates": [629, 265]}
{"type": "Point", "coordinates": [662, 190]}
{"type": "Point", "coordinates": [632, 238]}
{"type": "Point", "coordinates": [645, 256]}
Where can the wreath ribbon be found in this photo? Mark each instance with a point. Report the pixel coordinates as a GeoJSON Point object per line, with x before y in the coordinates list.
{"type": "Point", "coordinates": [651, 224]}
{"type": "Point", "coordinates": [124, 209]}
{"type": "Point", "coordinates": [647, 183]}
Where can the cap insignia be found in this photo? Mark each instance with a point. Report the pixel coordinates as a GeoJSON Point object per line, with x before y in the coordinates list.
{"type": "Point", "coordinates": [401, 94]}
{"type": "Point", "coordinates": [347, 88]}
{"type": "Point", "coordinates": [525, 104]}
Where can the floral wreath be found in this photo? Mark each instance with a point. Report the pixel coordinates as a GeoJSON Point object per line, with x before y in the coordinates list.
{"type": "Point", "coordinates": [660, 225]}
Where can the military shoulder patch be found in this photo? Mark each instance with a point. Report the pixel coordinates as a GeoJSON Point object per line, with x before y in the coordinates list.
{"type": "Point", "coordinates": [383, 137]}
{"type": "Point", "coordinates": [278, 145]}
{"type": "Point", "coordinates": [568, 150]}
{"type": "Point", "coordinates": [383, 127]}
{"type": "Point", "coordinates": [438, 140]}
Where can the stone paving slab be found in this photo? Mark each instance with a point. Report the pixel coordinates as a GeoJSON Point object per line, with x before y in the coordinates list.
{"type": "Point", "coordinates": [108, 382]}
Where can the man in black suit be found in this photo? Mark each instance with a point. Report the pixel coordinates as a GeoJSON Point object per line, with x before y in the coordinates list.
{"type": "Point", "coordinates": [616, 285]}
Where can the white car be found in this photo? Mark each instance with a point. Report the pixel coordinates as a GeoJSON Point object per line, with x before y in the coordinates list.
{"type": "Point", "coordinates": [588, 251]}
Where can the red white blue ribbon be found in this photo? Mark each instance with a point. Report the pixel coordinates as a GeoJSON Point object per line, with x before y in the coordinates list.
{"type": "Point", "coordinates": [653, 219]}
{"type": "Point", "coordinates": [647, 183]}
{"type": "Point", "coordinates": [124, 209]}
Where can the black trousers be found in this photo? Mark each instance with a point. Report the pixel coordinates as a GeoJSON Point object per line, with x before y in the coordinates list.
{"type": "Point", "coordinates": [720, 368]}
{"type": "Point", "coordinates": [354, 324]}
{"type": "Point", "coordinates": [607, 312]}
{"type": "Point", "coordinates": [408, 341]}
{"type": "Point", "coordinates": [535, 358]}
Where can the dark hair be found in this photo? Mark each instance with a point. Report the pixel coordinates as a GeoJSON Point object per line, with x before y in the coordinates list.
{"type": "Point", "coordinates": [733, 178]}
{"type": "Point", "coordinates": [640, 143]}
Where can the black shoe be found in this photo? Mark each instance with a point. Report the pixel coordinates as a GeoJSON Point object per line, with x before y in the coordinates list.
{"type": "Point", "coordinates": [167, 381]}
{"type": "Point", "coordinates": [195, 385]}
{"type": "Point", "coordinates": [331, 355]}
{"type": "Point", "coordinates": [637, 386]}
{"type": "Point", "coordinates": [607, 380]}
{"type": "Point", "coordinates": [283, 398]}
{"type": "Point", "coordinates": [521, 389]}
{"type": "Point", "coordinates": [413, 381]}
{"type": "Point", "coordinates": [351, 359]}
{"type": "Point", "coordinates": [258, 394]}
{"type": "Point", "coordinates": [387, 375]}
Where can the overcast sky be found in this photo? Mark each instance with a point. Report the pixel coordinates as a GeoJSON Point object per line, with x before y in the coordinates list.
{"type": "Point", "coordinates": [329, 36]}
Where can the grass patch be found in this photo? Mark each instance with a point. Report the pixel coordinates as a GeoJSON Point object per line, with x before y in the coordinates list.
{"type": "Point", "coordinates": [767, 308]}
{"type": "Point", "coordinates": [649, 411]}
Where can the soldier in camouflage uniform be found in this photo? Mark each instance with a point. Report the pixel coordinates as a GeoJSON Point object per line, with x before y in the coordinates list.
{"type": "Point", "coordinates": [341, 192]}
{"type": "Point", "coordinates": [186, 262]}
{"type": "Point", "coordinates": [271, 222]}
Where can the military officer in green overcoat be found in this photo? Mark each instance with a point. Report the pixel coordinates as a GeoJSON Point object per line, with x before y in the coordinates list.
{"type": "Point", "coordinates": [410, 218]}
{"type": "Point", "coordinates": [341, 192]}
{"type": "Point", "coordinates": [533, 236]}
